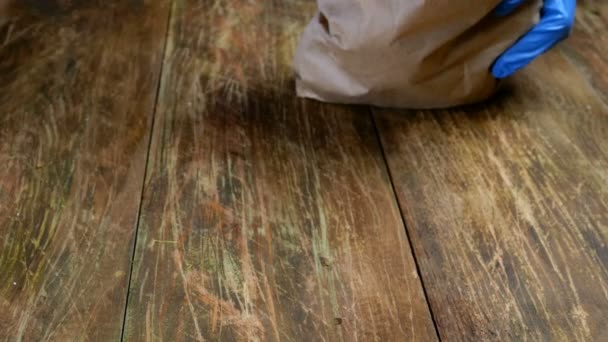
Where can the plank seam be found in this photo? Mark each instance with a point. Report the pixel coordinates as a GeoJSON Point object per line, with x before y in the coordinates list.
{"type": "Point", "coordinates": [143, 186]}
{"type": "Point", "coordinates": [401, 214]}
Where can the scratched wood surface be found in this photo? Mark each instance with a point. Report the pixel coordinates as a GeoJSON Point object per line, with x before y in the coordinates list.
{"type": "Point", "coordinates": [265, 217]}
{"type": "Point", "coordinates": [77, 87]}
{"type": "Point", "coordinates": [507, 203]}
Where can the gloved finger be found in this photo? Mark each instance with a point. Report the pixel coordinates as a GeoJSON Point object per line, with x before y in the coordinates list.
{"type": "Point", "coordinates": [557, 18]}
{"type": "Point", "coordinates": [506, 7]}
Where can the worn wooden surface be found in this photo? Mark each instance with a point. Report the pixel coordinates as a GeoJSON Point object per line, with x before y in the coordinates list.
{"type": "Point", "coordinates": [265, 217]}
{"type": "Point", "coordinates": [77, 87]}
{"type": "Point", "coordinates": [507, 203]}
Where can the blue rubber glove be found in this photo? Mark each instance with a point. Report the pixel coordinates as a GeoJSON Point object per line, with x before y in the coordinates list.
{"type": "Point", "coordinates": [557, 18]}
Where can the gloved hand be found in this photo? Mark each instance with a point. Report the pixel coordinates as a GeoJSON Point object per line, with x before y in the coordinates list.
{"type": "Point", "coordinates": [557, 18]}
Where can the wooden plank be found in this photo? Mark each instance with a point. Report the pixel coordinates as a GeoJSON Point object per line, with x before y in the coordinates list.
{"type": "Point", "coordinates": [507, 207]}
{"type": "Point", "coordinates": [77, 89]}
{"type": "Point", "coordinates": [265, 217]}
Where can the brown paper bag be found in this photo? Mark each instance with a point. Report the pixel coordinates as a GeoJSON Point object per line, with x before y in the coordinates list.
{"type": "Point", "coordinates": [406, 53]}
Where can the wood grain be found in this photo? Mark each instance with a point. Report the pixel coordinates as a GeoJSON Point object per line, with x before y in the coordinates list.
{"type": "Point", "coordinates": [507, 207]}
{"type": "Point", "coordinates": [265, 217]}
{"type": "Point", "coordinates": [77, 88]}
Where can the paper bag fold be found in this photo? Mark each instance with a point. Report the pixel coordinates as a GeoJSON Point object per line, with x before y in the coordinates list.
{"type": "Point", "coordinates": [410, 54]}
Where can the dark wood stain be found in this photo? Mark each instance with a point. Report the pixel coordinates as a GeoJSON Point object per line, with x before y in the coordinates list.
{"type": "Point", "coordinates": [77, 88]}
{"type": "Point", "coordinates": [265, 217]}
{"type": "Point", "coordinates": [507, 202]}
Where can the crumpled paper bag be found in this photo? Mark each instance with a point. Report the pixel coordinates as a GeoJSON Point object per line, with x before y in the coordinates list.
{"type": "Point", "coordinates": [406, 53]}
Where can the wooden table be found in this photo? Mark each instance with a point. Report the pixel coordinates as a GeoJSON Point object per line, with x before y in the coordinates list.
{"type": "Point", "coordinates": [160, 181]}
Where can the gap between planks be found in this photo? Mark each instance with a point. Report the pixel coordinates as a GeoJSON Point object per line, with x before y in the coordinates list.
{"type": "Point", "coordinates": [401, 215]}
{"type": "Point", "coordinates": [145, 175]}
